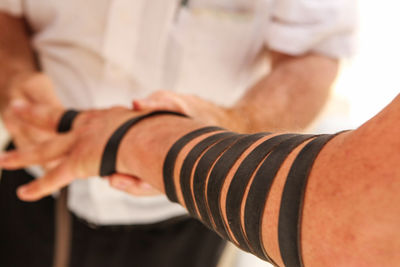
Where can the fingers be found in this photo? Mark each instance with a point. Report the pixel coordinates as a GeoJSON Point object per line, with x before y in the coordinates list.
{"type": "Point", "coordinates": [160, 100]}
{"type": "Point", "coordinates": [132, 185]}
{"type": "Point", "coordinates": [41, 116]}
{"type": "Point", "coordinates": [21, 135]}
{"type": "Point", "coordinates": [33, 135]}
{"type": "Point", "coordinates": [38, 88]}
{"type": "Point", "coordinates": [38, 154]}
{"type": "Point", "coordinates": [10, 121]}
{"type": "Point", "coordinates": [54, 180]}
{"type": "Point", "coordinates": [150, 104]}
{"type": "Point", "coordinates": [26, 136]}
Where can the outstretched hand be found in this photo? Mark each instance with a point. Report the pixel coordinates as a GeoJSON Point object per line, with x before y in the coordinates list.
{"type": "Point", "coordinates": [77, 153]}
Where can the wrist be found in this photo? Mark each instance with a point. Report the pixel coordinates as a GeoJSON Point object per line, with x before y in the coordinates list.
{"type": "Point", "coordinates": [142, 153]}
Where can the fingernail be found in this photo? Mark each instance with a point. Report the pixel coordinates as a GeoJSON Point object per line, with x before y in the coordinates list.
{"type": "Point", "coordinates": [22, 191]}
{"type": "Point", "coordinates": [122, 184]}
{"type": "Point", "coordinates": [18, 104]}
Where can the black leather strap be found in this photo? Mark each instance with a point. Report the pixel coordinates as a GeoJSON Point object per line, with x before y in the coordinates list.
{"type": "Point", "coordinates": [239, 184]}
{"type": "Point", "coordinates": [109, 158]}
{"type": "Point", "coordinates": [289, 225]}
{"type": "Point", "coordinates": [201, 174]}
{"type": "Point", "coordinates": [259, 190]}
{"type": "Point", "coordinates": [218, 175]}
{"type": "Point", "coordinates": [169, 162]}
{"type": "Point", "coordinates": [65, 123]}
{"type": "Point", "coordinates": [188, 164]}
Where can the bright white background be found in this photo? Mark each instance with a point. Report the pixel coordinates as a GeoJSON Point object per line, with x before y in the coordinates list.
{"type": "Point", "coordinates": [372, 79]}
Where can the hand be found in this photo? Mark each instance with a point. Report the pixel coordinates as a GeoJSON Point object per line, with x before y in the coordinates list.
{"type": "Point", "coordinates": [195, 107]}
{"type": "Point", "coordinates": [49, 119]}
{"type": "Point", "coordinates": [37, 89]}
{"type": "Point", "coordinates": [34, 89]}
{"type": "Point", "coordinates": [77, 153]}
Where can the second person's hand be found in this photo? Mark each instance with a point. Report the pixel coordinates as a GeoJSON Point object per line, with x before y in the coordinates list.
{"type": "Point", "coordinates": [29, 88]}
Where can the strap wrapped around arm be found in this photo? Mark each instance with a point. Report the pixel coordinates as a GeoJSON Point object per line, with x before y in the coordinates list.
{"type": "Point", "coordinates": [109, 158]}
{"type": "Point", "coordinates": [241, 220]}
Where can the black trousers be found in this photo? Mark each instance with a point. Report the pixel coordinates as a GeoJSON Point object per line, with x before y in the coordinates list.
{"type": "Point", "coordinates": [27, 237]}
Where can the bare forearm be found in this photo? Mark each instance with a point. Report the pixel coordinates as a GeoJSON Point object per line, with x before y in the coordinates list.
{"type": "Point", "coordinates": [16, 55]}
{"type": "Point", "coordinates": [342, 189]}
{"type": "Point", "coordinates": [349, 197]}
{"type": "Point", "coordinates": [291, 96]}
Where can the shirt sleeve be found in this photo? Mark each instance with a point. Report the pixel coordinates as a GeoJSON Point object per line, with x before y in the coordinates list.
{"type": "Point", "coordinates": [12, 7]}
{"type": "Point", "coordinates": [323, 26]}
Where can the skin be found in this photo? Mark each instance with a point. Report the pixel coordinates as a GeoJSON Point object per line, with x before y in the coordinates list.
{"type": "Point", "coordinates": [349, 219]}
{"type": "Point", "coordinates": [288, 92]}
{"type": "Point", "coordinates": [366, 220]}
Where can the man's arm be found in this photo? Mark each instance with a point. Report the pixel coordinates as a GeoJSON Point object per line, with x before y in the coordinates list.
{"type": "Point", "coordinates": [16, 55]}
{"type": "Point", "coordinates": [350, 215]}
{"type": "Point", "coordinates": [291, 96]}
{"type": "Point", "coordinates": [349, 218]}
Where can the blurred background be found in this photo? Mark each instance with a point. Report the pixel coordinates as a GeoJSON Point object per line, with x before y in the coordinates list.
{"type": "Point", "coordinates": [367, 83]}
{"type": "Point", "coordinates": [370, 80]}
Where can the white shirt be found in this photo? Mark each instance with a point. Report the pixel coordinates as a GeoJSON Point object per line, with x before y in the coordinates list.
{"type": "Point", "coordinates": [101, 53]}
